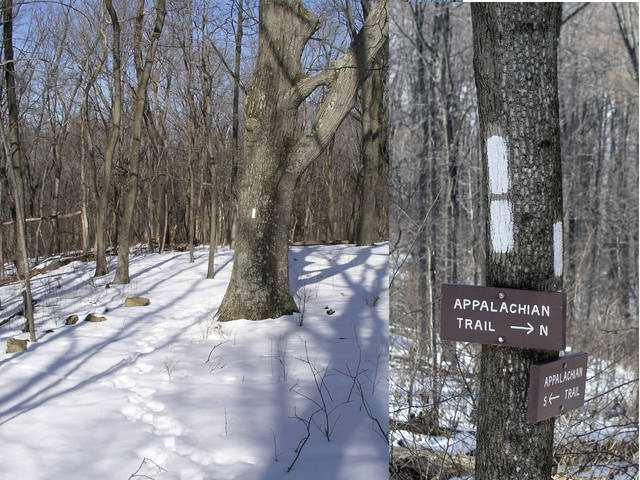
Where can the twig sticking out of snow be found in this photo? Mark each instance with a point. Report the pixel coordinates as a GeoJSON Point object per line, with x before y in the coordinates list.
{"type": "Point", "coordinates": [140, 475]}
{"type": "Point", "coordinates": [302, 296]}
{"type": "Point", "coordinates": [356, 383]}
{"type": "Point", "coordinates": [323, 404]}
{"type": "Point", "coordinates": [303, 441]}
{"type": "Point", "coordinates": [169, 365]}
{"type": "Point", "coordinates": [211, 352]}
{"type": "Point", "coordinates": [275, 446]}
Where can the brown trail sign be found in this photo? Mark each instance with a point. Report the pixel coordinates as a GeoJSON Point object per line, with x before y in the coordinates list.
{"type": "Point", "coordinates": [503, 316]}
{"type": "Point", "coordinates": [556, 387]}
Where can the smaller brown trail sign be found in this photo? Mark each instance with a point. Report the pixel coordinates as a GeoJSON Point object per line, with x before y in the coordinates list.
{"type": "Point", "coordinates": [503, 316]}
{"type": "Point", "coordinates": [556, 387]}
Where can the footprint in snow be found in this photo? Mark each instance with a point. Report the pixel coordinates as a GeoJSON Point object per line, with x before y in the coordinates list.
{"type": "Point", "coordinates": [156, 406]}
{"type": "Point", "coordinates": [124, 381]}
{"type": "Point", "coordinates": [132, 412]}
{"type": "Point", "coordinates": [191, 474]}
{"type": "Point", "coordinates": [143, 391]}
{"type": "Point", "coordinates": [203, 458]}
{"type": "Point", "coordinates": [142, 367]}
{"type": "Point", "coordinates": [182, 448]}
{"type": "Point", "coordinates": [147, 418]}
{"type": "Point", "coordinates": [165, 425]}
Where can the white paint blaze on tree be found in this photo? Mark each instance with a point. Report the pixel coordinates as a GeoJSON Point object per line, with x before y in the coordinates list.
{"type": "Point", "coordinates": [557, 249]}
{"type": "Point", "coordinates": [500, 209]}
{"type": "Point", "coordinates": [501, 219]}
{"type": "Point", "coordinates": [515, 71]}
{"type": "Point", "coordinates": [498, 165]}
{"type": "Point", "coordinates": [275, 157]}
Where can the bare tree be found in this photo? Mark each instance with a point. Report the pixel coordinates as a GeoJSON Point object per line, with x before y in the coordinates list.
{"type": "Point", "coordinates": [114, 132]}
{"type": "Point", "coordinates": [235, 122]}
{"type": "Point", "coordinates": [143, 72]}
{"type": "Point", "coordinates": [627, 16]}
{"type": "Point", "coordinates": [12, 150]}
{"type": "Point", "coordinates": [275, 158]}
{"type": "Point", "coordinates": [515, 58]}
{"type": "Point", "coordinates": [374, 137]}
{"type": "Point", "coordinates": [373, 152]}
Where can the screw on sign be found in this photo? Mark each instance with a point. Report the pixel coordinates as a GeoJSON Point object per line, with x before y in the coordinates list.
{"type": "Point", "coordinates": [503, 316]}
{"type": "Point", "coordinates": [556, 387]}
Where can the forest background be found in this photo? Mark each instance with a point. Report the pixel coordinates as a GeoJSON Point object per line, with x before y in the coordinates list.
{"type": "Point", "coordinates": [437, 232]}
{"type": "Point", "coordinates": [191, 141]}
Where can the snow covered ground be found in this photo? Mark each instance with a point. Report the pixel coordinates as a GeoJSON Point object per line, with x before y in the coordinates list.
{"type": "Point", "coordinates": [167, 392]}
{"type": "Point", "coordinates": [606, 423]}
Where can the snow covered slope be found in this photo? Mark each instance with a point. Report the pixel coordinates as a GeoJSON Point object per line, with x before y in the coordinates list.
{"type": "Point", "coordinates": [167, 392]}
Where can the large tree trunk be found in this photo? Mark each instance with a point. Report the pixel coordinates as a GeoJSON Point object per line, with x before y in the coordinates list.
{"type": "Point", "coordinates": [274, 158]}
{"type": "Point", "coordinates": [122, 270]}
{"type": "Point", "coordinates": [235, 123]}
{"type": "Point", "coordinates": [515, 50]}
{"type": "Point", "coordinates": [425, 202]}
{"type": "Point", "coordinates": [15, 154]}
{"type": "Point", "coordinates": [112, 140]}
{"type": "Point", "coordinates": [372, 151]}
{"type": "Point", "coordinates": [258, 289]}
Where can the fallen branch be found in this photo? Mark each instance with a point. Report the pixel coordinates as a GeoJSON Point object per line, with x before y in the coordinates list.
{"type": "Point", "coordinates": [48, 217]}
{"type": "Point", "coordinates": [48, 268]}
{"type": "Point", "coordinates": [431, 463]}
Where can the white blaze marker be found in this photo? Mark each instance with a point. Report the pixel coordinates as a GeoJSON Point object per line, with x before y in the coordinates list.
{"type": "Point", "coordinates": [501, 226]}
{"type": "Point", "coordinates": [498, 165]}
{"type": "Point", "coordinates": [253, 213]}
{"type": "Point", "coordinates": [557, 249]}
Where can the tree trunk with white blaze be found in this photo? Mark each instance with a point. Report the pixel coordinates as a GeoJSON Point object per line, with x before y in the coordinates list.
{"type": "Point", "coordinates": [275, 157]}
{"type": "Point", "coordinates": [515, 49]}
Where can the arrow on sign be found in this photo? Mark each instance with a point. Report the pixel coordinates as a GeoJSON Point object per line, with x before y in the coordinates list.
{"type": "Point", "coordinates": [529, 328]}
{"type": "Point", "coordinates": [551, 397]}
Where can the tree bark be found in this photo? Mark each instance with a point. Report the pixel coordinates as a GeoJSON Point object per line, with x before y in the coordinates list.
{"type": "Point", "coordinates": [112, 140]}
{"type": "Point", "coordinates": [235, 122]}
{"type": "Point", "coordinates": [213, 221]}
{"type": "Point", "coordinates": [275, 158]}
{"type": "Point", "coordinates": [372, 151]}
{"type": "Point", "coordinates": [515, 50]}
{"type": "Point", "coordinates": [15, 154]}
{"type": "Point", "coordinates": [122, 270]}
{"type": "Point", "coordinates": [87, 148]}
{"type": "Point", "coordinates": [206, 80]}
{"type": "Point", "coordinates": [187, 51]}
{"type": "Point", "coordinates": [259, 286]}
{"type": "Point", "coordinates": [330, 182]}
